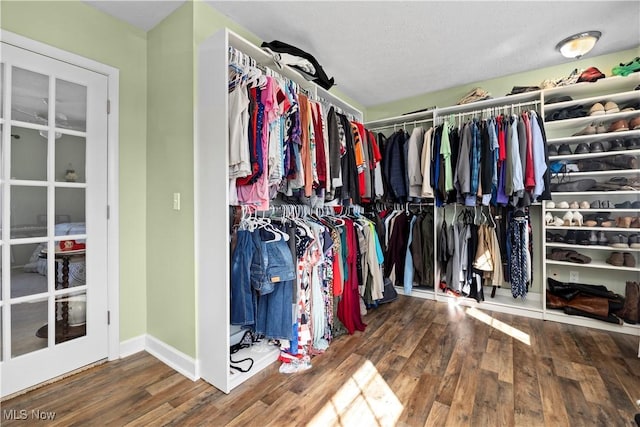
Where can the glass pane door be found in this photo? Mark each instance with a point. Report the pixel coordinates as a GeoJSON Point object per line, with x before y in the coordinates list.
{"type": "Point", "coordinates": [53, 239]}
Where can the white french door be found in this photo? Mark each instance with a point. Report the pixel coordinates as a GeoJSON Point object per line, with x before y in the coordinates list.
{"type": "Point", "coordinates": [53, 222]}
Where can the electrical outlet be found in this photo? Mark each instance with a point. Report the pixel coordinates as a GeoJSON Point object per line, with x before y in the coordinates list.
{"type": "Point", "coordinates": [574, 277]}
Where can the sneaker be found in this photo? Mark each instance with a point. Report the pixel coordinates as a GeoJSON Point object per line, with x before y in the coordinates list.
{"type": "Point", "coordinates": [634, 241]}
{"type": "Point", "coordinates": [550, 204]}
{"type": "Point", "coordinates": [618, 241]}
{"type": "Point", "coordinates": [563, 205]}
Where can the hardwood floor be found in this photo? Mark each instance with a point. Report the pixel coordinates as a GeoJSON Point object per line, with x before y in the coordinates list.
{"type": "Point", "coordinates": [419, 363]}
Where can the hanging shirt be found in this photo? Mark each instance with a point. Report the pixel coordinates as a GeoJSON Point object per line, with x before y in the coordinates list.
{"type": "Point", "coordinates": [445, 152]}
{"type": "Point", "coordinates": [539, 162]}
{"type": "Point", "coordinates": [425, 165]}
{"type": "Point", "coordinates": [414, 171]}
{"type": "Point", "coordinates": [239, 157]}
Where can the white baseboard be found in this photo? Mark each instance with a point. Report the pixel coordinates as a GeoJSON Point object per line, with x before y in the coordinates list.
{"type": "Point", "coordinates": [132, 346]}
{"type": "Point", "coordinates": [184, 364]}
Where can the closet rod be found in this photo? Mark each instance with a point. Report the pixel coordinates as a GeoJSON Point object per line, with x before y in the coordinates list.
{"type": "Point", "coordinates": [402, 124]}
{"type": "Point", "coordinates": [489, 110]}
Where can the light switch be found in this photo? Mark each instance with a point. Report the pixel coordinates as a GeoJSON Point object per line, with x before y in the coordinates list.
{"type": "Point", "coordinates": [176, 201]}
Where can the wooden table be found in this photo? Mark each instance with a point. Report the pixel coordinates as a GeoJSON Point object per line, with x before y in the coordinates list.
{"type": "Point", "coordinates": [63, 331]}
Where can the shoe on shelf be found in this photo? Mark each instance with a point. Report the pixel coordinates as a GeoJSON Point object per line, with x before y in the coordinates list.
{"type": "Point", "coordinates": [589, 130]}
{"type": "Point", "coordinates": [553, 150]}
{"type": "Point", "coordinates": [624, 205]}
{"type": "Point", "coordinates": [564, 150]}
{"type": "Point", "coordinates": [583, 238]}
{"type": "Point", "coordinates": [549, 204]}
{"type": "Point", "coordinates": [601, 128]}
{"type": "Point", "coordinates": [574, 205]}
{"type": "Point", "coordinates": [616, 258]}
{"type": "Point", "coordinates": [602, 239]}
{"type": "Point", "coordinates": [617, 145]}
{"type": "Point", "coordinates": [596, 109]}
{"type": "Point", "coordinates": [582, 148]}
{"type": "Point", "coordinates": [568, 218]}
{"type": "Point", "coordinates": [577, 218]}
{"type": "Point", "coordinates": [596, 147]}
{"type": "Point", "coordinates": [632, 144]}
{"type": "Point", "coordinates": [635, 223]}
{"type": "Point", "coordinates": [606, 204]}
{"type": "Point", "coordinates": [634, 241]}
{"type": "Point", "coordinates": [622, 161]}
{"type": "Point", "coordinates": [571, 237]}
{"type": "Point", "coordinates": [593, 238]}
{"type": "Point", "coordinates": [608, 223]}
{"type": "Point", "coordinates": [618, 241]}
{"type": "Point", "coordinates": [562, 205]}
{"type": "Point", "coordinates": [595, 204]}
{"type": "Point", "coordinates": [611, 107]}
{"type": "Point", "coordinates": [619, 126]}
{"type": "Point", "coordinates": [624, 221]}
{"type": "Point", "coordinates": [558, 222]}
{"type": "Point", "coordinates": [635, 205]}
{"type": "Point", "coordinates": [584, 205]}
{"type": "Point", "coordinates": [629, 312]}
{"type": "Point", "coordinates": [634, 123]}
{"type": "Point", "coordinates": [629, 260]}
{"type": "Point", "coordinates": [548, 218]}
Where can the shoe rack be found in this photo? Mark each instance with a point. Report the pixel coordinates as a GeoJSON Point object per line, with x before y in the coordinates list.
{"type": "Point", "coordinates": [576, 220]}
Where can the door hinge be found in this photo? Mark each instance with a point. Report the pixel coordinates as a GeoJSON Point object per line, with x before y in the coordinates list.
{"type": "Point", "coordinates": [108, 211]}
{"type": "Point", "coordinates": [108, 317]}
{"type": "Point", "coordinates": [108, 106]}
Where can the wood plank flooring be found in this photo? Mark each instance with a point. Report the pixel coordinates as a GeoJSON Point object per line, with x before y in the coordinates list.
{"type": "Point", "coordinates": [419, 363]}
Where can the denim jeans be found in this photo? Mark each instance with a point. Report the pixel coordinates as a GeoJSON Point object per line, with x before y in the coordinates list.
{"type": "Point", "coordinates": [243, 304]}
{"type": "Point", "coordinates": [273, 277]}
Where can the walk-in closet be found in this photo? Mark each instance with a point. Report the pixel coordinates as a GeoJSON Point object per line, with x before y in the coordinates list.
{"type": "Point", "coordinates": [375, 213]}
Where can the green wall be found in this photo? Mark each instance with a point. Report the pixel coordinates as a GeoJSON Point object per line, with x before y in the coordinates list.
{"type": "Point", "coordinates": [171, 263]}
{"type": "Point", "coordinates": [170, 238]}
{"type": "Point", "coordinates": [83, 30]}
{"type": "Point", "coordinates": [499, 86]}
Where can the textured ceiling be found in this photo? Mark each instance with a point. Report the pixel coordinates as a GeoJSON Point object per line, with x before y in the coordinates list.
{"type": "Point", "coordinates": [144, 14]}
{"type": "Point", "coordinates": [381, 51]}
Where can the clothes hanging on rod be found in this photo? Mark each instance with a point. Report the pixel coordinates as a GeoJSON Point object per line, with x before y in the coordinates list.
{"type": "Point", "coordinates": [324, 262]}
{"type": "Point", "coordinates": [492, 160]}
{"type": "Point", "coordinates": [407, 236]}
{"type": "Point", "coordinates": [285, 144]}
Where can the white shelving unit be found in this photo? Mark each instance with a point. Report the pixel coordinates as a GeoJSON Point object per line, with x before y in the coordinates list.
{"type": "Point", "coordinates": [616, 89]}
{"type": "Point", "coordinates": [598, 271]}
{"type": "Point", "coordinates": [213, 276]}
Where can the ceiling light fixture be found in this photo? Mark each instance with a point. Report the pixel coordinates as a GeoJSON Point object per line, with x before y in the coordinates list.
{"type": "Point", "coordinates": [579, 44]}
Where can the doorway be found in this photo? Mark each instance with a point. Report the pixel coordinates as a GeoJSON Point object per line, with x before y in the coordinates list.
{"type": "Point", "coordinates": [54, 298]}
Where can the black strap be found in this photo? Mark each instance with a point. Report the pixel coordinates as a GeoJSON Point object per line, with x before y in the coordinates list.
{"type": "Point", "coordinates": [238, 368]}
